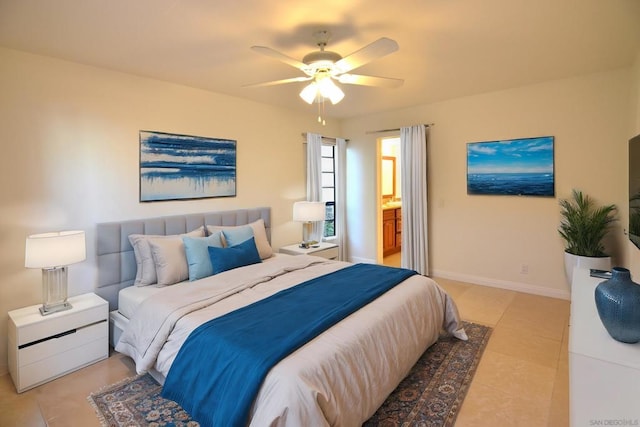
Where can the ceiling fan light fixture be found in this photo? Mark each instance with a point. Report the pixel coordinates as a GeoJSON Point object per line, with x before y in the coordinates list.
{"type": "Point", "coordinates": [308, 94]}
{"type": "Point", "coordinates": [328, 89]}
{"type": "Point", "coordinates": [321, 89]}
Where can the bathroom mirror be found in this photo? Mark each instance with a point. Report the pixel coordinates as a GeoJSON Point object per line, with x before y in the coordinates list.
{"type": "Point", "coordinates": [388, 176]}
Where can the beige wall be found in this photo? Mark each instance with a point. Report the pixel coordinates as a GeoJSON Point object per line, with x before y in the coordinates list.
{"type": "Point", "coordinates": [487, 239]}
{"type": "Point", "coordinates": [69, 137]}
{"type": "Point", "coordinates": [636, 96]}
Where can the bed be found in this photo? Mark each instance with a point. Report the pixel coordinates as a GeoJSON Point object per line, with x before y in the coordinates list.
{"type": "Point", "coordinates": [340, 377]}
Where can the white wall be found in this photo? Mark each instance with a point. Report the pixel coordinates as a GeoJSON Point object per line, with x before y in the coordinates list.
{"type": "Point", "coordinates": [70, 149]}
{"type": "Point", "coordinates": [487, 239]}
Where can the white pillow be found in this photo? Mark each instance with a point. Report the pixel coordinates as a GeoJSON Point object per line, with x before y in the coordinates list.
{"type": "Point", "coordinates": [146, 268]}
{"type": "Point", "coordinates": [259, 235]}
{"type": "Point", "coordinates": [170, 259]}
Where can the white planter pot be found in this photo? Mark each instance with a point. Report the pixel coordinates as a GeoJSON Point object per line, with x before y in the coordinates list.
{"type": "Point", "coordinates": [572, 261]}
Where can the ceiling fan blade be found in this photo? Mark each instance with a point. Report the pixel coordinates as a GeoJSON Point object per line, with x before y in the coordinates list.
{"type": "Point", "coordinates": [357, 79]}
{"type": "Point", "coordinates": [377, 49]}
{"type": "Point", "coordinates": [280, 82]}
{"type": "Point", "coordinates": [267, 51]}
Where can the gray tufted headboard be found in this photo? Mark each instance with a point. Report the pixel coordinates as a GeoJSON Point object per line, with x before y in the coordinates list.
{"type": "Point", "coordinates": [116, 262]}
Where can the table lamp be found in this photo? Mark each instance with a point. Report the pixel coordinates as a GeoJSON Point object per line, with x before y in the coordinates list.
{"type": "Point", "coordinates": [53, 252]}
{"type": "Point", "coordinates": [308, 212]}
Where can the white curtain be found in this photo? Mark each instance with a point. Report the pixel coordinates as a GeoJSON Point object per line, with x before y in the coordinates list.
{"type": "Point", "coordinates": [415, 242]}
{"type": "Point", "coordinates": [341, 198]}
{"type": "Point", "coordinates": [314, 178]}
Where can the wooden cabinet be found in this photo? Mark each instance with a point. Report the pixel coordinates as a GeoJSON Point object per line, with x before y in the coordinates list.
{"type": "Point", "coordinates": [42, 348]}
{"type": "Point", "coordinates": [388, 236]}
{"type": "Point", "coordinates": [391, 231]}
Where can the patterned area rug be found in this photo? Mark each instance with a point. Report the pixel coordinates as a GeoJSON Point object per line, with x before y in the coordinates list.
{"type": "Point", "coordinates": [430, 396]}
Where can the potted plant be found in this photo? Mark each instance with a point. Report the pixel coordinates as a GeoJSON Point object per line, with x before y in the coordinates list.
{"type": "Point", "coordinates": [583, 227]}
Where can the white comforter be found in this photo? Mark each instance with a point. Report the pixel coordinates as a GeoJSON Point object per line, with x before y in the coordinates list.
{"type": "Point", "coordinates": [339, 378]}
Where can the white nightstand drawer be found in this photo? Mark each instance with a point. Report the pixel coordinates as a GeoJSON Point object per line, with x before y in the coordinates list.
{"type": "Point", "coordinates": [45, 326]}
{"type": "Point", "coordinates": [62, 363]}
{"type": "Point", "coordinates": [42, 350]}
{"type": "Point", "coordinates": [331, 253]}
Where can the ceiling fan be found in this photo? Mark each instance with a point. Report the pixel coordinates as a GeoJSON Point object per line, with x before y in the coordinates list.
{"type": "Point", "coordinates": [322, 67]}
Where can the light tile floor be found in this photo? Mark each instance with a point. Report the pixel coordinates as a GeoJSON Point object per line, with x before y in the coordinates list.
{"type": "Point", "coordinates": [522, 379]}
{"type": "Point", "coordinates": [523, 376]}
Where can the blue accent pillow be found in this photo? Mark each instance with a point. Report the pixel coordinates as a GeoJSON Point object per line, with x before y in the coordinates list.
{"type": "Point", "coordinates": [237, 235]}
{"type": "Point", "coordinates": [198, 256]}
{"type": "Point", "coordinates": [223, 259]}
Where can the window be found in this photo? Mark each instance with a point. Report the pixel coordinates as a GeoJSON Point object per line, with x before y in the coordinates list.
{"type": "Point", "coordinates": [328, 167]}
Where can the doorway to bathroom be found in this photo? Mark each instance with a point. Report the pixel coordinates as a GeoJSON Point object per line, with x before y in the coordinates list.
{"type": "Point", "coordinates": [390, 201]}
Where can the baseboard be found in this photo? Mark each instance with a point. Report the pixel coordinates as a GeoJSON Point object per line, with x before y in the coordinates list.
{"type": "Point", "coordinates": [503, 284]}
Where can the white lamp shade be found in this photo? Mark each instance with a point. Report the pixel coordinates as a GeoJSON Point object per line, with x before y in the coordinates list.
{"type": "Point", "coordinates": [309, 93]}
{"type": "Point", "coordinates": [49, 250]}
{"type": "Point", "coordinates": [308, 211]}
{"type": "Point", "coordinates": [320, 89]}
{"type": "Point", "coordinates": [328, 89]}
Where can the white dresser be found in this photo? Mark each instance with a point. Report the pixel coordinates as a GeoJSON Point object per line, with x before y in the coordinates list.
{"type": "Point", "coordinates": [604, 374]}
{"type": "Point", "coordinates": [42, 348]}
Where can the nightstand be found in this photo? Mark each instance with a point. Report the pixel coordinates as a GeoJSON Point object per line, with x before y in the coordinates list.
{"type": "Point", "coordinates": [323, 249]}
{"type": "Point", "coordinates": [42, 348]}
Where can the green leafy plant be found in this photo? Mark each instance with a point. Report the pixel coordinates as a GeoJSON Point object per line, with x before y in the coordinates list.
{"type": "Point", "coordinates": [584, 225]}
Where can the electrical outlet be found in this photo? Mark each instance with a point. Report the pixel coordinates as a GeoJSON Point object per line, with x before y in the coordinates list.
{"type": "Point", "coordinates": [524, 269]}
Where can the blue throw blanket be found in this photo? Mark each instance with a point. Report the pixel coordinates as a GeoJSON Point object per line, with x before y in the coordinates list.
{"type": "Point", "coordinates": [220, 367]}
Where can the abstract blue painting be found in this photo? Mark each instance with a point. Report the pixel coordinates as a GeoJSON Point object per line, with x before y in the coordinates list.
{"type": "Point", "coordinates": [522, 167]}
{"type": "Point", "coordinates": [174, 167]}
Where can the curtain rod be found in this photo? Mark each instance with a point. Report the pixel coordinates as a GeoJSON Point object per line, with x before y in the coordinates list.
{"type": "Point", "coordinates": [329, 138]}
{"type": "Point", "coordinates": [394, 130]}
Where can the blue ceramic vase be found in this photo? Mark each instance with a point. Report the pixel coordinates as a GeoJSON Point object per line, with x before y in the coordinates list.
{"type": "Point", "coordinates": [618, 304]}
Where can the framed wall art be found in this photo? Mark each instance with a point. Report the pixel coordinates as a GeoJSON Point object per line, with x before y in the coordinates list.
{"type": "Point", "coordinates": [522, 167]}
{"type": "Point", "coordinates": [175, 167]}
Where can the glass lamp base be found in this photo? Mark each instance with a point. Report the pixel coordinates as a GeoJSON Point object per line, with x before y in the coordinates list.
{"type": "Point", "coordinates": [306, 232]}
{"type": "Point", "coordinates": [55, 308]}
{"type": "Point", "coordinates": [54, 290]}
